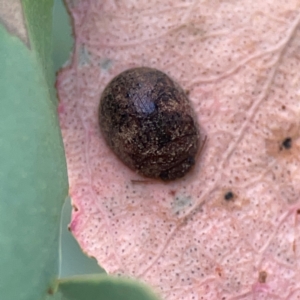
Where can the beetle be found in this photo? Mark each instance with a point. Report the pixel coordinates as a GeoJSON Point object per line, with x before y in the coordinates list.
{"type": "Point", "coordinates": [148, 121]}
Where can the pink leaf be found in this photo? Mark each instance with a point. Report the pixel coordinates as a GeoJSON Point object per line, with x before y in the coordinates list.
{"type": "Point", "coordinates": [231, 228]}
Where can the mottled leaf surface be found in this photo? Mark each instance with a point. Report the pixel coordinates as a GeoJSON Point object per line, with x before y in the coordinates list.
{"type": "Point", "coordinates": [230, 229]}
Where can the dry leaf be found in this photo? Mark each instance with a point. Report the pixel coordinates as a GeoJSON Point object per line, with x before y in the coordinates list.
{"type": "Point", "coordinates": [212, 234]}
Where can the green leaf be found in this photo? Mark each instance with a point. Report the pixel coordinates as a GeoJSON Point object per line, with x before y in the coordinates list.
{"type": "Point", "coordinates": [56, 296]}
{"type": "Point", "coordinates": [73, 260]}
{"type": "Point", "coordinates": [62, 35]}
{"type": "Point", "coordinates": [101, 287]}
{"type": "Point", "coordinates": [38, 17]}
{"type": "Point", "coordinates": [33, 180]}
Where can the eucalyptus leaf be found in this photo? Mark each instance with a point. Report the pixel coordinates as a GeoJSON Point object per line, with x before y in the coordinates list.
{"type": "Point", "coordinates": [33, 180]}
{"type": "Point", "coordinates": [56, 296]}
{"type": "Point", "coordinates": [101, 287]}
{"type": "Point", "coordinates": [62, 35]}
{"type": "Point", "coordinates": [38, 17]}
{"type": "Point", "coordinates": [73, 260]}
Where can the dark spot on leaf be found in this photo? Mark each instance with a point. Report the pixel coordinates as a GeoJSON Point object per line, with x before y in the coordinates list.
{"type": "Point", "coordinates": [172, 192]}
{"type": "Point", "coordinates": [286, 144]}
{"type": "Point", "coordinates": [228, 196]}
{"type": "Point", "coordinates": [262, 277]}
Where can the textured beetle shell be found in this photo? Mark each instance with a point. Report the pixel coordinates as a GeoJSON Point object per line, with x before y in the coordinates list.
{"type": "Point", "coordinates": [148, 121]}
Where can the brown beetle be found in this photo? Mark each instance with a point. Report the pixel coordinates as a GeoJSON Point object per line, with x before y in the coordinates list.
{"type": "Point", "coordinates": [148, 121]}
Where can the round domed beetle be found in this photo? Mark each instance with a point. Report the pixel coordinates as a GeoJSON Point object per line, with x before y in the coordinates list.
{"type": "Point", "coordinates": [147, 120]}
